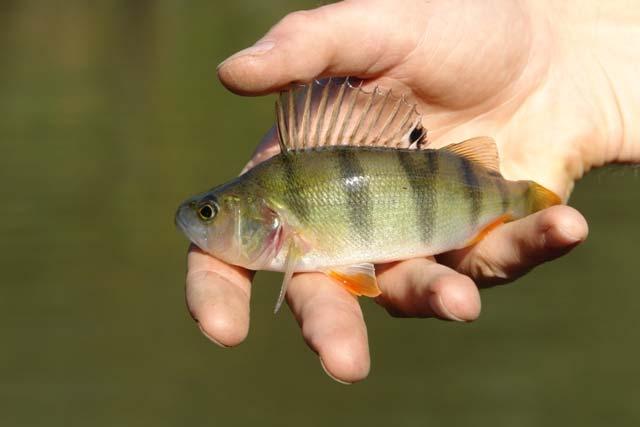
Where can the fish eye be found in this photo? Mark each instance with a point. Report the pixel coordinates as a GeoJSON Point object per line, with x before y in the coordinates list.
{"type": "Point", "coordinates": [207, 211]}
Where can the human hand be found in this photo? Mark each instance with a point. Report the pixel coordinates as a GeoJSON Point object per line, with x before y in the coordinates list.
{"type": "Point", "coordinates": [498, 68]}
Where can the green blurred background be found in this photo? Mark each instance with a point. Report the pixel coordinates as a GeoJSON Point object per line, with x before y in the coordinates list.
{"type": "Point", "coordinates": [110, 115]}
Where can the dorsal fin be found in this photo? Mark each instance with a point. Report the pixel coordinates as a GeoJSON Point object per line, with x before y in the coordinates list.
{"type": "Point", "coordinates": [335, 112]}
{"type": "Point", "coordinates": [481, 150]}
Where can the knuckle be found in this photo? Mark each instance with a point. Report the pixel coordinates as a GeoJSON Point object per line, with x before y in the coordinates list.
{"type": "Point", "coordinates": [297, 19]}
{"type": "Point", "coordinates": [390, 307]}
{"type": "Point", "coordinates": [486, 271]}
{"type": "Point", "coordinates": [395, 313]}
{"type": "Point", "coordinates": [418, 309]}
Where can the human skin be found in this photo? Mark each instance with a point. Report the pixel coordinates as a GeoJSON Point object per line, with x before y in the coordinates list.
{"type": "Point", "coordinates": [553, 82]}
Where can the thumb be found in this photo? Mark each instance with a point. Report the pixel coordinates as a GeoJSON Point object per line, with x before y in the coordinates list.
{"type": "Point", "coordinates": [335, 40]}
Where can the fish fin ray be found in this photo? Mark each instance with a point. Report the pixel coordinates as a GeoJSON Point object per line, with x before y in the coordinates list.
{"type": "Point", "coordinates": [337, 112]}
{"type": "Point", "coordinates": [294, 253]}
{"type": "Point", "coordinates": [281, 126]}
{"type": "Point", "coordinates": [489, 228]}
{"type": "Point", "coordinates": [358, 279]}
{"type": "Point", "coordinates": [542, 197]}
{"type": "Point", "coordinates": [481, 150]}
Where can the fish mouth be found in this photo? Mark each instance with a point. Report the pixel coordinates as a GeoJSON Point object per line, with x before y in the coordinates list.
{"type": "Point", "coordinates": [191, 227]}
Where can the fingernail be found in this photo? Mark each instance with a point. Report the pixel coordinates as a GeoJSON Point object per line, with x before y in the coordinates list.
{"type": "Point", "coordinates": [210, 338]}
{"type": "Point", "coordinates": [331, 376]}
{"type": "Point", "coordinates": [439, 307]}
{"type": "Point", "coordinates": [259, 48]}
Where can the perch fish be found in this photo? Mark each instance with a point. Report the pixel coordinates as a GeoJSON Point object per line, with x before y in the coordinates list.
{"type": "Point", "coordinates": [355, 184]}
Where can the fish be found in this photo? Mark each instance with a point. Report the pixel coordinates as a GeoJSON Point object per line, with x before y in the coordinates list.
{"type": "Point", "coordinates": [355, 184]}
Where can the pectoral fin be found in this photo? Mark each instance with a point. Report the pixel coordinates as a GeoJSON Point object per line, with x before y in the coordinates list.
{"type": "Point", "coordinates": [359, 279]}
{"type": "Point", "coordinates": [293, 255]}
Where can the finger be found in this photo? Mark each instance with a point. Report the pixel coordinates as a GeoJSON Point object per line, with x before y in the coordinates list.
{"type": "Point", "coordinates": [332, 325]}
{"type": "Point", "coordinates": [421, 287]}
{"type": "Point", "coordinates": [218, 297]}
{"type": "Point", "coordinates": [333, 40]}
{"type": "Point", "coordinates": [515, 248]}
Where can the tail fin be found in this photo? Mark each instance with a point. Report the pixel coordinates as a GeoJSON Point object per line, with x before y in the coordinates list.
{"type": "Point", "coordinates": [541, 198]}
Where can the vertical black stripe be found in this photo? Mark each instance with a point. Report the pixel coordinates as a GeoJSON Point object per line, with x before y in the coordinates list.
{"type": "Point", "coordinates": [292, 187]}
{"type": "Point", "coordinates": [433, 164]}
{"type": "Point", "coordinates": [417, 170]}
{"type": "Point", "coordinates": [472, 189]}
{"type": "Point", "coordinates": [430, 205]}
{"type": "Point", "coordinates": [356, 188]}
{"type": "Point", "coordinates": [504, 193]}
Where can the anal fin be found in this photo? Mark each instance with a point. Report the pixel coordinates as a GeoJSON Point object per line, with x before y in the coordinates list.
{"type": "Point", "coordinates": [359, 279]}
{"type": "Point", "coordinates": [489, 228]}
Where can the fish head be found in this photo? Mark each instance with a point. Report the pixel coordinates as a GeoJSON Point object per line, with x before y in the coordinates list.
{"type": "Point", "coordinates": [197, 218]}
{"type": "Point", "coordinates": [235, 227]}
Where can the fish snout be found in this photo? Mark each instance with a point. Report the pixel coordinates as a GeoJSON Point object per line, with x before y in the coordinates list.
{"type": "Point", "coordinates": [187, 220]}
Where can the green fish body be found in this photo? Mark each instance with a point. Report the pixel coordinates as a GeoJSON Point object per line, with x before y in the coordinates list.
{"type": "Point", "coordinates": [340, 208]}
{"type": "Point", "coordinates": [352, 205]}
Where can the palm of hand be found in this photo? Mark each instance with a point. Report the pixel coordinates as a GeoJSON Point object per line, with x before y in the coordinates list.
{"type": "Point", "coordinates": [471, 77]}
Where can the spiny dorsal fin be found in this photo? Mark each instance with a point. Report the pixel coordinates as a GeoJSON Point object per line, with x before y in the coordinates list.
{"type": "Point", "coordinates": [481, 150]}
{"type": "Point", "coordinates": [335, 112]}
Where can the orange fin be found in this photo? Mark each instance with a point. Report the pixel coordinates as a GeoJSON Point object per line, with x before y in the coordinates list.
{"type": "Point", "coordinates": [489, 228]}
{"type": "Point", "coordinates": [481, 150]}
{"type": "Point", "coordinates": [359, 279]}
{"type": "Point", "coordinates": [542, 197]}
